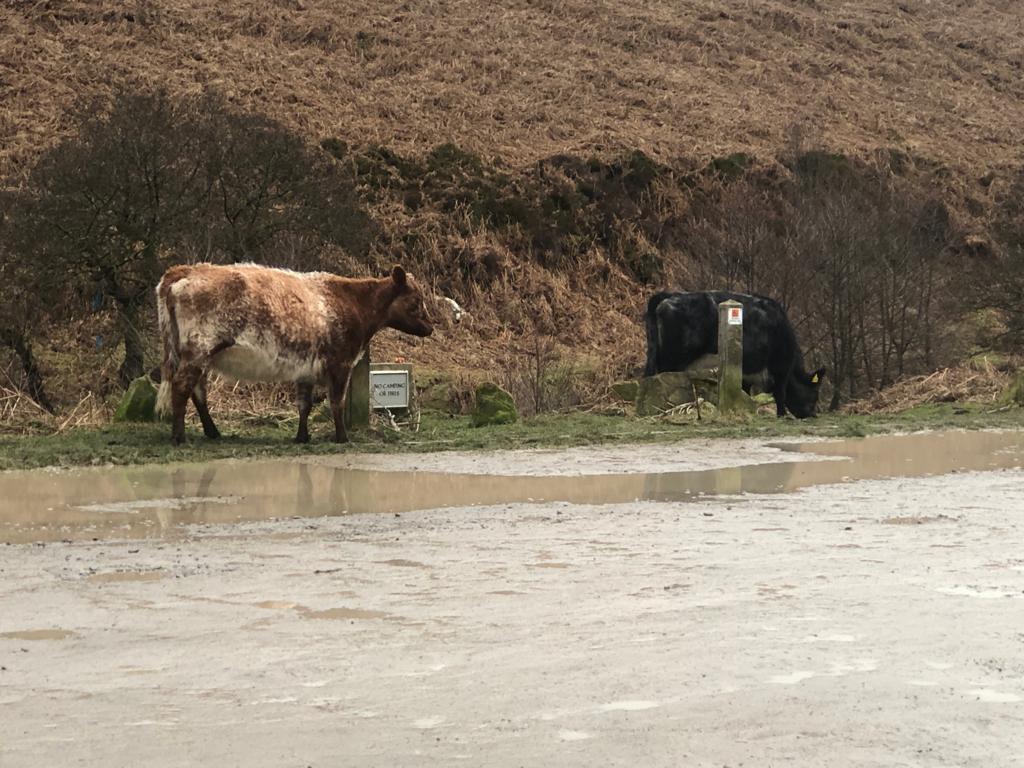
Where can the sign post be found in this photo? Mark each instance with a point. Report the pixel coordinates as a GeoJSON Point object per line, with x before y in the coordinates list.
{"type": "Point", "coordinates": [731, 397]}
{"type": "Point", "coordinates": [390, 386]}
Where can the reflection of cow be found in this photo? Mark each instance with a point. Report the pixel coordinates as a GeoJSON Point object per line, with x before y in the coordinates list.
{"type": "Point", "coordinates": [682, 327]}
{"type": "Point", "coordinates": [261, 324]}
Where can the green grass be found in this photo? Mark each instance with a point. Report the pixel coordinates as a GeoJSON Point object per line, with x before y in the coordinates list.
{"type": "Point", "coordinates": [150, 443]}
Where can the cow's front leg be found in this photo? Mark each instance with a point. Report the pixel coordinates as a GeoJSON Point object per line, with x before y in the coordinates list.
{"type": "Point", "coordinates": [304, 394]}
{"type": "Point", "coordinates": [337, 386]}
{"type": "Point", "coordinates": [779, 393]}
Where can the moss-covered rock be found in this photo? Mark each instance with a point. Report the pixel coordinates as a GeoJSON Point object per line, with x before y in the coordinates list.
{"type": "Point", "coordinates": [660, 393]}
{"type": "Point", "coordinates": [493, 405]}
{"type": "Point", "coordinates": [138, 403]}
{"type": "Point", "coordinates": [657, 394]}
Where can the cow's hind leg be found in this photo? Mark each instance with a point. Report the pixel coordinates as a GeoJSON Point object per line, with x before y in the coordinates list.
{"type": "Point", "coordinates": [304, 395]}
{"type": "Point", "coordinates": [199, 401]}
{"type": "Point", "coordinates": [337, 386]}
{"type": "Point", "coordinates": [182, 385]}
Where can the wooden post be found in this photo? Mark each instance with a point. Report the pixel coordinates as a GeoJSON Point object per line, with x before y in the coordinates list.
{"type": "Point", "coordinates": [731, 397]}
{"type": "Point", "coordinates": [357, 404]}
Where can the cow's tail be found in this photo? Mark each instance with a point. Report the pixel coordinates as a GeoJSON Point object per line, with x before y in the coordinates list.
{"type": "Point", "coordinates": [169, 335]}
{"type": "Point", "coordinates": [653, 334]}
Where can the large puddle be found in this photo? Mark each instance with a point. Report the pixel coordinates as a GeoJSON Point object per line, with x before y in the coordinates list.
{"type": "Point", "coordinates": [151, 501]}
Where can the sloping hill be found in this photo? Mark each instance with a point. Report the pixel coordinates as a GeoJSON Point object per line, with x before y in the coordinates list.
{"type": "Point", "coordinates": [579, 121]}
{"type": "Point", "coordinates": [525, 79]}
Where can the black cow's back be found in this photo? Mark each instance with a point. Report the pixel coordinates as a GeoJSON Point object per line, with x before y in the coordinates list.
{"type": "Point", "coordinates": [682, 327]}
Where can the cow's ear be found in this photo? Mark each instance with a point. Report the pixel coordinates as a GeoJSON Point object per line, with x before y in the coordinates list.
{"type": "Point", "coordinates": [817, 376]}
{"type": "Point", "coordinates": [398, 275]}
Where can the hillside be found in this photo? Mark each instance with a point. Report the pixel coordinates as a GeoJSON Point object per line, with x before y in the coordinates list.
{"type": "Point", "coordinates": [544, 162]}
{"type": "Point", "coordinates": [523, 80]}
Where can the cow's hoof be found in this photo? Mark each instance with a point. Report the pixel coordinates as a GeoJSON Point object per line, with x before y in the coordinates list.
{"type": "Point", "coordinates": [341, 439]}
{"type": "Point", "coordinates": [302, 439]}
{"type": "Point", "coordinates": [214, 435]}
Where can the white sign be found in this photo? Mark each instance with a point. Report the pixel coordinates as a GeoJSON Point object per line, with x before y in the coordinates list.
{"type": "Point", "coordinates": [389, 389]}
{"type": "Point", "coordinates": [735, 315]}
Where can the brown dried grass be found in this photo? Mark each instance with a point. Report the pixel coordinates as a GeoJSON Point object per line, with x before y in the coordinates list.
{"type": "Point", "coordinates": [524, 79]}
{"type": "Point", "coordinates": [20, 415]}
{"type": "Point", "coordinates": [982, 383]}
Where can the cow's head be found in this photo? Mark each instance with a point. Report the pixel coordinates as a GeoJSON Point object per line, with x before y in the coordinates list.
{"type": "Point", "coordinates": [406, 312]}
{"type": "Point", "coordinates": [802, 393]}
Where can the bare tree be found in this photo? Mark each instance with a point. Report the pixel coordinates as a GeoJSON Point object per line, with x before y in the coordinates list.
{"type": "Point", "coordinates": [102, 205]}
{"type": "Point", "coordinates": [851, 251]}
{"type": "Point", "coordinates": [997, 279]}
{"type": "Point", "coordinates": [24, 296]}
{"type": "Point", "coordinates": [148, 175]}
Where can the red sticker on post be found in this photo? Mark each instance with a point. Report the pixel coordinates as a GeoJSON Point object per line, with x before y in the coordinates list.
{"type": "Point", "coordinates": [735, 315]}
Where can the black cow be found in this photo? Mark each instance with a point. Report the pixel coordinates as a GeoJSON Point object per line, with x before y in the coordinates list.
{"type": "Point", "coordinates": [681, 327]}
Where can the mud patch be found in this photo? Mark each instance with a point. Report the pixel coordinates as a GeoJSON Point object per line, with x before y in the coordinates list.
{"type": "Point", "coordinates": [623, 649]}
{"type": "Point", "coordinates": [400, 563]}
{"type": "Point", "coordinates": [343, 613]}
{"type": "Point", "coordinates": [916, 520]}
{"type": "Point", "coordinates": [629, 705]}
{"type": "Point", "coordinates": [38, 634]}
{"type": "Point", "coordinates": [113, 577]}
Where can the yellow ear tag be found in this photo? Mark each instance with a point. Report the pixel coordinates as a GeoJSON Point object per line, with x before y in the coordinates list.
{"type": "Point", "coordinates": [814, 379]}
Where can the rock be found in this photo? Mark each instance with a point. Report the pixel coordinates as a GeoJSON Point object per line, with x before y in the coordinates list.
{"type": "Point", "coordinates": [138, 403]}
{"type": "Point", "coordinates": [493, 405]}
{"type": "Point", "coordinates": [660, 393]}
{"type": "Point", "coordinates": [706, 385]}
{"type": "Point", "coordinates": [625, 390]}
{"type": "Point", "coordinates": [657, 394]}
{"type": "Point", "coordinates": [704, 367]}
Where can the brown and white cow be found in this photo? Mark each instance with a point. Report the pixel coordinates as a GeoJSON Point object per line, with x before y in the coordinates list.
{"type": "Point", "coordinates": [256, 323]}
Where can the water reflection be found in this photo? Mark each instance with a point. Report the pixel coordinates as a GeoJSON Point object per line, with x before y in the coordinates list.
{"type": "Point", "coordinates": [150, 501]}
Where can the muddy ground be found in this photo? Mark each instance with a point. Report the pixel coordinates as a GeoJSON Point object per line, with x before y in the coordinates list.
{"type": "Point", "coordinates": [871, 622]}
